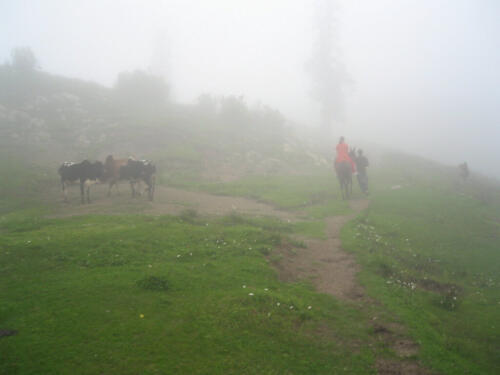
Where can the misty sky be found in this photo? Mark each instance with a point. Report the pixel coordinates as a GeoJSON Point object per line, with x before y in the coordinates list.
{"type": "Point", "coordinates": [425, 74]}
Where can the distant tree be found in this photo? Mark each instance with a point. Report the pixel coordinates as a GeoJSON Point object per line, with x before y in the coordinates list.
{"type": "Point", "coordinates": [141, 89]}
{"type": "Point", "coordinates": [233, 109]}
{"type": "Point", "coordinates": [328, 74]}
{"type": "Point", "coordinates": [270, 117]}
{"type": "Point", "coordinates": [23, 59]}
{"type": "Point", "coordinates": [207, 104]}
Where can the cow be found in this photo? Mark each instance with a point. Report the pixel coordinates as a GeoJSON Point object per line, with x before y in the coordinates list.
{"type": "Point", "coordinates": [112, 171]}
{"type": "Point", "coordinates": [136, 171]}
{"type": "Point", "coordinates": [86, 173]}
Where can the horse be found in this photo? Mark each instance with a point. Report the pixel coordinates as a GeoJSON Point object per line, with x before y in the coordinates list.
{"type": "Point", "coordinates": [344, 174]}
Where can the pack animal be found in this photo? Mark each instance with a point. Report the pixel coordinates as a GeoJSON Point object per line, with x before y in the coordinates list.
{"type": "Point", "coordinates": [136, 171]}
{"type": "Point", "coordinates": [344, 174]}
{"type": "Point", "coordinates": [112, 171]}
{"type": "Point", "coordinates": [86, 173]}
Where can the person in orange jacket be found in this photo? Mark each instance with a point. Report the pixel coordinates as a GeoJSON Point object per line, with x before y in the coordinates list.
{"type": "Point", "coordinates": [343, 154]}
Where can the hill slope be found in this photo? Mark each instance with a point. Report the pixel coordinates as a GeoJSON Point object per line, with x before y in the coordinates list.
{"type": "Point", "coordinates": [128, 286]}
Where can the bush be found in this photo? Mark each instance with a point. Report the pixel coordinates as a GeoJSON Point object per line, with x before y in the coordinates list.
{"type": "Point", "coordinates": [154, 283]}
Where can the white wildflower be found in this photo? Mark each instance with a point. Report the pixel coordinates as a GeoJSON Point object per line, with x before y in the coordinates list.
{"type": "Point", "coordinates": [250, 294]}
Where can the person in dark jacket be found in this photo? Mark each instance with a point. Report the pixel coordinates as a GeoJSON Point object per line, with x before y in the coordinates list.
{"type": "Point", "coordinates": [361, 164]}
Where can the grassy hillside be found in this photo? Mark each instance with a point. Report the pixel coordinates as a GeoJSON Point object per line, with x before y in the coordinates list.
{"type": "Point", "coordinates": [53, 119]}
{"type": "Point", "coordinates": [23, 184]}
{"type": "Point", "coordinates": [430, 254]}
{"type": "Point", "coordinates": [188, 294]}
{"type": "Point", "coordinates": [133, 293]}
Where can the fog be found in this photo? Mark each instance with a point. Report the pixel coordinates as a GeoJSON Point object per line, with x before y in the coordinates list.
{"type": "Point", "coordinates": [419, 76]}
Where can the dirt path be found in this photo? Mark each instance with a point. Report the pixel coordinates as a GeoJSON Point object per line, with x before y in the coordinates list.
{"type": "Point", "coordinates": [168, 201]}
{"type": "Point", "coordinates": [323, 262]}
{"type": "Point", "coordinates": [333, 271]}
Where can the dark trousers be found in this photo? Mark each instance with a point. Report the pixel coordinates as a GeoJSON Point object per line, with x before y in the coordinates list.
{"type": "Point", "coordinates": [363, 182]}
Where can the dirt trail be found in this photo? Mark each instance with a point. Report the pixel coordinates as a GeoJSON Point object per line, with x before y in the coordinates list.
{"type": "Point", "coordinates": [168, 201]}
{"type": "Point", "coordinates": [333, 271]}
{"type": "Point", "coordinates": [323, 262]}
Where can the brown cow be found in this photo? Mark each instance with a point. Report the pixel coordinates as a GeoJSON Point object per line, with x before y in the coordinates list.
{"type": "Point", "coordinates": [112, 171]}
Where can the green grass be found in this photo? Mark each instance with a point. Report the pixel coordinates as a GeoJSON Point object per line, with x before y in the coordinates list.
{"type": "Point", "coordinates": [431, 256]}
{"type": "Point", "coordinates": [317, 195]}
{"type": "Point", "coordinates": [314, 229]}
{"type": "Point", "coordinates": [21, 184]}
{"type": "Point", "coordinates": [136, 294]}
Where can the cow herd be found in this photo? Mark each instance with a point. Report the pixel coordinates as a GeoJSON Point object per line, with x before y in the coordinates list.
{"type": "Point", "coordinates": [87, 173]}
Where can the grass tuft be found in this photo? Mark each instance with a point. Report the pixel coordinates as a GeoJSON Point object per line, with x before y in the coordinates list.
{"type": "Point", "coordinates": [154, 283]}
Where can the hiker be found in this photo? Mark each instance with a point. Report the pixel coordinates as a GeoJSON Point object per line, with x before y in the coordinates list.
{"type": "Point", "coordinates": [361, 164]}
{"type": "Point", "coordinates": [464, 171]}
{"type": "Point", "coordinates": [343, 154]}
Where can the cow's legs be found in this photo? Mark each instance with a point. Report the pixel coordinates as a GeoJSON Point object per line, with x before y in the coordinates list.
{"type": "Point", "coordinates": [89, 183]}
{"type": "Point", "coordinates": [65, 193]}
{"type": "Point", "coordinates": [82, 191]}
{"type": "Point", "coordinates": [151, 187]}
{"type": "Point", "coordinates": [132, 188]}
{"type": "Point", "coordinates": [109, 188]}
{"type": "Point", "coordinates": [152, 190]}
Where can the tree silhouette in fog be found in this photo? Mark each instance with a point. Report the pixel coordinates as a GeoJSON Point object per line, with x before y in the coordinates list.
{"type": "Point", "coordinates": [141, 89]}
{"type": "Point", "coordinates": [327, 73]}
{"type": "Point", "coordinates": [23, 59]}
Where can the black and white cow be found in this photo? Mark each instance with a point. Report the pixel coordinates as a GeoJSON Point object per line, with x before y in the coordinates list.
{"type": "Point", "coordinates": [86, 173]}
{"type": "Point", "coordinates": [139, 170]}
